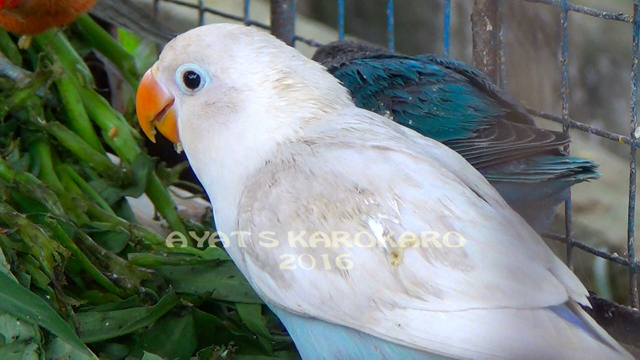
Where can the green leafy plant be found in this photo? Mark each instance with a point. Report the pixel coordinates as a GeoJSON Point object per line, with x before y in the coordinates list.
{"type": "Point", "coordinates": [79, 276]}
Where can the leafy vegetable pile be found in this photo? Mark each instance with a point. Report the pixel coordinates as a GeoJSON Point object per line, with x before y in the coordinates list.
{"type": "Point", "coordinates": [79, 277]}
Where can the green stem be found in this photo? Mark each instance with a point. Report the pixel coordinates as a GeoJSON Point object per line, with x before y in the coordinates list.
{"type": "Point", "coordinates": [77, 119]}
{"type": "Point", "coordinates": [128, 276]}
{"type": "Point", "coordinates": [48, 252]}
{"type": "Point", "coordinates": [85, 188]}
{"type": "Point", "coordinates": [137, 231]}
{"type": "Point", "coordinates": [9, 48]}
{"type": "Point", "coordinates": [55, 41]}
{"type": "Point", "coordinates": [75, 199]}
{"type": "Point", "coordinates": [109, 47]}
{"type": "Point", "coordinates": [115, 129]}
{"type": "Point", "coordinates": [67, 182]}
{"type": "Point", "coordinates": [81, 148]}
{"type": "Point", "coordinates": [30, 186]}
{"type": "Point", "coordinates": [47, 173]}
{"type": "Point", "coordinates": [20, 95]}
{"type": "Point", "coordinates": [111, 122]}
{"type": "Point", "coordinates": [159, 195]}
{"type": "Point", "coordinates": [66, 241]}
{"type": "Point", "coordinates": [126, 147]}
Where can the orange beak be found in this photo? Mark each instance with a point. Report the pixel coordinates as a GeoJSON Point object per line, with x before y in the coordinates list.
{"type": "Point", "coordinates": [154, 106]}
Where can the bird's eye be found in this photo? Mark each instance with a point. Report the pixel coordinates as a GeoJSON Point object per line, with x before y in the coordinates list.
{"type": "Point", "coordinates": [191, 78]}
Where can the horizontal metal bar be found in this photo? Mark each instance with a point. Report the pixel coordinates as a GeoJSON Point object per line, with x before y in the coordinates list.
{"type": "Point", "coordinates": [633, 266]}
{"type": "Point", "coordinates": [587, 11]}
{"type": "Point", "coordinates": [582, 127]}
{"type": "Point", "coordinates": [240, 19]}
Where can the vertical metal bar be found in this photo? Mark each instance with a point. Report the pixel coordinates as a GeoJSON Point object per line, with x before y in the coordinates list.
{"type": "Point", "coordinates": [447, 27]}
{"type": "Point", "coordinates": [201, 12]}
{"type": "Point", "coordinates": [341, 20]}
{"type": "Point", "coordinates": [564, 62]}
{"type": "Point", "coordinates": [283, 16]}
{"type": "Point", "coordinates": [390, 26]}
{"type": "Point", "coordinates": [484, 30]}
{"type": "Point", "coordinates": [502, 63]}
{"type": "Point", "coordinates": [633, 285]}
{"type": "Point", "coordinates": [247, 18]}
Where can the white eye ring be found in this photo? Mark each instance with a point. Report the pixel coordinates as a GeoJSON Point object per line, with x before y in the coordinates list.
{"type": "Point", "coordinates": [191, 78]}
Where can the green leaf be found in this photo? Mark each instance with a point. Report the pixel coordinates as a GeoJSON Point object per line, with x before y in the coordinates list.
{"type": "Point", "coordinates": [25, 305]}
{"type": "Point", "coordinates": [4, 265]}
{"type": "Point", "coordinates": [110, 236]}
{"type": "Point", "coordinates": [212, 330]}
{"type": "Point", "coordinates": [58, 349]}
{"type": "Point", "coordinates": [20, 351]}
{"type": "Point", "coordinates": [18, 339]}
{"type": "Point", "coordinates": [142, 166]}
{"type": "Point", "coordinates": [172, 337]}
{"type": "Point", "coordinates": [113, 351]}
{"type": "Point", "coordinates": [48, 252]}
{"type": "Point", "coordinates": [150, 260]}
{"type": "Point", "coordinates": [143, 50]}
{"type": "Point", "coordinates": [132, 302]}
{"type": "Point", "coordinates": [221, 278]}
{"type": "Point", "coordinates": [150, 356]}
{"type": "Point", "coordinates": [251, 315]}
{"type": "Point", "coordinates": [102, 325]}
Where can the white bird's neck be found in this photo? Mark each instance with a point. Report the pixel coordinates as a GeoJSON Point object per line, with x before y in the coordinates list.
{"type": "Point", "coordinates": [234, 152]}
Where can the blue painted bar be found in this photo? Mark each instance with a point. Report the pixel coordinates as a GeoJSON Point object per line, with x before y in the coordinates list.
{"type": "Point", "coordinates": [201, 12]}
{"type": "Point", "coordinates": [247, 18]}
{"type": "Point", "coordinates": [447, 27]}
{"type": "Point", "coordinates": [633, 165]}
{"type": "Point", "coordinates": [390, 26]}
{"type": "Point", "coordinates": [341, 20]}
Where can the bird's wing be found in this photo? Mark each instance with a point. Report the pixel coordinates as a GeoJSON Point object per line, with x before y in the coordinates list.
{"type": "Point", "coordinates": [482, 82]}
{"type": "Point", "coordinates": [507, 141]}
{"type": "Point", "coordinates": [467, 113]}
{"type": "Point", "coordinates": [386, 186]}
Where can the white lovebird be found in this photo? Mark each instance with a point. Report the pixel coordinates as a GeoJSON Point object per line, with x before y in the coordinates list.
{"type": "Point", "coordinates": [368, 240]}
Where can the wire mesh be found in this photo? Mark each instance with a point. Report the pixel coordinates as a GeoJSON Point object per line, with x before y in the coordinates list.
{"type": "Point", "coordinates": [283, 25]}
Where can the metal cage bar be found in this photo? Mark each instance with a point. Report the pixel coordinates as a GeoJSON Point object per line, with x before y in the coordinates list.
{"type": "Point", "coordinates": [283, 16]}
{"type": "Point", "coordinates": [341, 20]}
{"type": "Point", "coordinates": [446, 24]}
{"type": "Point", "coordinates": [484, 32]}
{"type": "Point", "coordinates": [390, 26]}
{"type": "Point", "coordinates": [564, 62]}
{"type": "Point", "coordinates": [245, 10]}
{"type": "Point", "coordinates": [633, 284]}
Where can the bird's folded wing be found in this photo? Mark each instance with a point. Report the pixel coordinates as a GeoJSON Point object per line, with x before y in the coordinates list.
{"type": "Point", "coordinates": [517, 111]}
{"type": "Point", "coordinates": [505, 141]}
{"type": "Point", "coordinates": [448, 106]}
{"type": "Point", "coordinates": [383, 186]}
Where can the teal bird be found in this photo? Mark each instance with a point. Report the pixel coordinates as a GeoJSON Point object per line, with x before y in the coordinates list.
{"type": "Point", "coordinates": [455, 104]}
